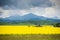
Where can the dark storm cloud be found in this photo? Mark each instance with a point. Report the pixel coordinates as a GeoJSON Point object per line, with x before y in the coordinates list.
{"type": "Point", "coordinates": [25, 4]}
{"type": "Point", "coordinates": [4, 2]}
{"type": "Point", "coordinates": [34, 3]}
{"type": "Point", "coordinates": [41, 3]}
{"type": "Point", "coordinates": [57, 3]}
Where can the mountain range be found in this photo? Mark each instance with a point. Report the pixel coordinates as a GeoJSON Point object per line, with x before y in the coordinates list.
{"type": "Point", "coordinates": [30, 17]}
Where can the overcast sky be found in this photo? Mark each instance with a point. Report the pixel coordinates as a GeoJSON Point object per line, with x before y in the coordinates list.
{"type": "Point", "coordinates": [46, 8]}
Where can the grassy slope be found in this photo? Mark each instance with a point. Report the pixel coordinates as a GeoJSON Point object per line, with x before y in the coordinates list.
{"type": "Point", "coordinates": [29, 37]}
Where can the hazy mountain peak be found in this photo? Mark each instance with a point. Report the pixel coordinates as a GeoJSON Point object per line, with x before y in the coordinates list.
{"type": "Point", "coordinates": [30, 14]}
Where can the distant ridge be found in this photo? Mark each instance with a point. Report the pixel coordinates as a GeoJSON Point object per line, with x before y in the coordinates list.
{"type": "Point", "coordinates": [30, 17]}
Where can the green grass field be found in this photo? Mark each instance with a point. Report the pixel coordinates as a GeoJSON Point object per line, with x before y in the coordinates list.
{"type": "Point", "coordinates": [29, 37]}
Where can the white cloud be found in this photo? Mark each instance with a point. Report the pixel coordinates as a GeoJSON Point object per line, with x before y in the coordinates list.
{"type": "Point", "coordinates": [37, 10]}
{"type": "Point", "coordinates": [50, 12]}
{"type": "Point", "coordinates": [5, 13]}
{"type": "Point", "coordinates": [57, 7]}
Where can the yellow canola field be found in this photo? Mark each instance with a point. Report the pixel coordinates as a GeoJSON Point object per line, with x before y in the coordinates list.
{"type": "Point", "coordinates": [29, 30]}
